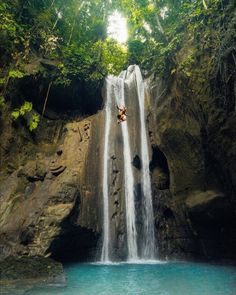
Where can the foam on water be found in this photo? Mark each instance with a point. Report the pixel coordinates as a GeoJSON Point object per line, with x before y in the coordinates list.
{"type": "Point", "coordinates": [138, 261]}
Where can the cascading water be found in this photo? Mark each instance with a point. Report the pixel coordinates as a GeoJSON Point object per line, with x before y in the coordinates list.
{"type": "Point", "coordinates": [115, 94]}
{"type": "Point", "coordinates": [148, 245]}
{"type": "Point", "coordinates": [128, 178]}
{"type": "Point", "coordinates": [106, 222]}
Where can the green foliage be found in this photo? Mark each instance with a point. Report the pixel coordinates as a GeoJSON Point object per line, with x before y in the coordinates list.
{"type": "Point", "coordinates": [186, 65]}
{"type": "Point", "coordinates": [91, 62]}
{"type": "Point", "coordinates": [25, 108]}
{"type": "Point", "coordinates": [33, 121]}
{"type": "Point", "coordinates": [157, 28]}
{"type": "Point", "coordinates": [2, 101]}
{"type": "Point", "coordinates": [111, 57]}
{"type": "Point", "coordinates": [137, 50]}
{"type": "Point", "coordinates": [2, 81]}
{"type": "Point", "coordinates": [73, 34]}
{"type": "Point", "coordinates": [10, 30]}
{"type": "Point", "coordinates": [16, 74]}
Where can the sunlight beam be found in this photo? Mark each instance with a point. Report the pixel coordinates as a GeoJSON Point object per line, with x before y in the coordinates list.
{"type": "Point", "coordinates": [117, 27]}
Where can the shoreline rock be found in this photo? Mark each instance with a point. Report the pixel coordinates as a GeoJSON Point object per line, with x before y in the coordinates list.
{"type": "Point", "coordinates": [18, 275]}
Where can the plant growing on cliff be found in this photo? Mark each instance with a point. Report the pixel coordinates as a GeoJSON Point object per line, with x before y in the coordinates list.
{"type": "Point", "coordinates": [25, 108]}
{"type": "Point", "coordinates": [26, 111]}
{"type": "Point", "coordinates": [33, 121]}
{"type": "Point", "coordinates": [16, 74]}
{"type": "Point", "coordinates": [2, 101]}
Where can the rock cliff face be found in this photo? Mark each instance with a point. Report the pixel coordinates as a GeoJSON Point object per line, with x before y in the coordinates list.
{"type": "Point", "coordinates": [48, 192]}
{"type": "Point", "coordinates": [193, 167]}
{"type": "Point", "coordinates": [51, 183]}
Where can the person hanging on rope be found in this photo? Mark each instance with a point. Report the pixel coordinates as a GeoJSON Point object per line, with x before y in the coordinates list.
{"type": "Point", "coordinates": [121, 114]}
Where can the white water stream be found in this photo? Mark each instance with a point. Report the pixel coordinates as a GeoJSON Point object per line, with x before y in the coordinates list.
{"type": "Point", "coordinates": [106, 222]}
{"type": "Point", "coordinates": [148, 244]}
{"type": "Point", "coordinates": [115, 87]}
{"type": "Point", "coordinates": [128, 178]}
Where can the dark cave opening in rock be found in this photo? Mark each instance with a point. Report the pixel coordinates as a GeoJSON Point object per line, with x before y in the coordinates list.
{"type": "Point", "coordinates": [78, 98]}
{"type": "Point", "coordinates": [159, 168]}
{"type": "Point", "coordinates": [75, 244]}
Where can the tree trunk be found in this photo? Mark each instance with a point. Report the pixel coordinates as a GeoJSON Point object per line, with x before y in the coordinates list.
{"type": "Point", "coordinates": [46, 98]}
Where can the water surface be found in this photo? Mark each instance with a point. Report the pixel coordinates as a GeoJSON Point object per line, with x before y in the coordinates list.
{"type": "Point", "coordinates": [145, 279]}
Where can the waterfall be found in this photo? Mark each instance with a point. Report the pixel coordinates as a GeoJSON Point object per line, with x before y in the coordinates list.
{"type": "Point", "coordinates": [106, 222]}
{"type": "Point", "coordinates": [128, 178]}
{"type": "Point", "coordinates": [116, 95]}
{"type": "Point", "coordinates": [148, 244]}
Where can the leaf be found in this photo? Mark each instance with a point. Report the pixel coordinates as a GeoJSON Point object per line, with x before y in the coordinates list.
{"type": "Point", "coordinates": [33, 121]}
{"type": "Point", "coordinates": [16, 74]}
{"type": "Point", "coordinates": [25, 108]}
{"type": "Point", "coordinates": [15, 115]}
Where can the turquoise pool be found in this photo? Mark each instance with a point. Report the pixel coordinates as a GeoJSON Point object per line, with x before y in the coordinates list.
{"type": "Point", "coordinates": [172, 278]}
